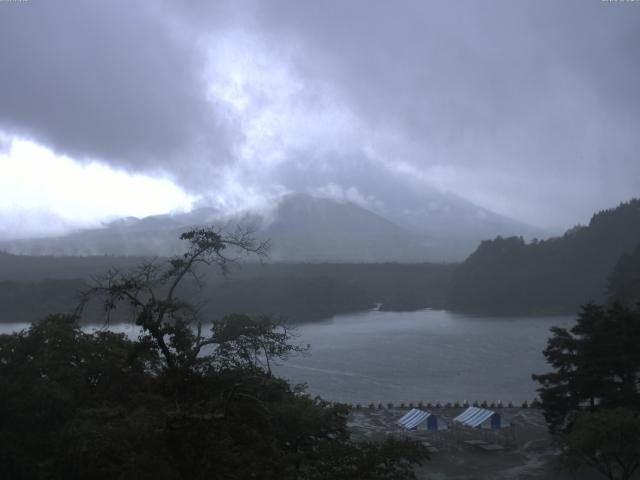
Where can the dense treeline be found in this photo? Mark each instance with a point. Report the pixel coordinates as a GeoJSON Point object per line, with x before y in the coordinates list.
{"type": "Point", "coordinates": [33, 269]}
{"type": "Point", "coordinates": [549, 276]}
{"type": "Point", "coordinates": [30, 287]}
{"type": "Point", "coordinates": [624, 283]}
{"type": "Point", "coordinates": [26, 302]}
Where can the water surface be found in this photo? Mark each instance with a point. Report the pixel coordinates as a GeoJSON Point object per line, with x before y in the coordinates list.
{"type": "Point", "coordinates": [426, 355]}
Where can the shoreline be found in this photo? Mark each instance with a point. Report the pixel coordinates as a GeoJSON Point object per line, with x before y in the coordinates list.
{"type": "Point", "coordinates": [522, 449]}
{"type": "Point", "coordinates": [496, 405]}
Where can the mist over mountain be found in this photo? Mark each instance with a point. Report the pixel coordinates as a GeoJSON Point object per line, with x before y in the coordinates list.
{"type": "Point", "coordinates": [453, 225]}
{"type": "Point", "coordinates": [503, 275]}
{"type": "Point", "coordinates": [303, 227]}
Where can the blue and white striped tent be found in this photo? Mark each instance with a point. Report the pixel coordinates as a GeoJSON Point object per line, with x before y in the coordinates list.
{"type": "Point", "coordinates": [474, 417]}
{"type": "Point", "coordinates": [414, 418]}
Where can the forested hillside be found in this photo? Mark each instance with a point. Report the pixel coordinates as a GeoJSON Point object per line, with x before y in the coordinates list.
{"type": "Point", "coordinates": [624, 283]}
{"type": "Point", "coordinates": [32, 287]}
{"type": "Point", "coordinates": [508, 275]}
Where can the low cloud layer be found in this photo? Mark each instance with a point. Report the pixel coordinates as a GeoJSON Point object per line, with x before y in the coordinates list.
{"type": "Point", "coordinates": [527, 108]}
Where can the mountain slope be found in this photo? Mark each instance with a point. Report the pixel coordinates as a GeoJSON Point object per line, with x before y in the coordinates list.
{"type": "Point", "coordinates": [453, 225]}
{"type": "Point", "coordinates": [555, 275]}
{"type": "Point", "coordinates": [301, 228]}
{"type": "Point", "coordinates": [306, 228]}
{"type": "Point", "coordinates": [316, 229]}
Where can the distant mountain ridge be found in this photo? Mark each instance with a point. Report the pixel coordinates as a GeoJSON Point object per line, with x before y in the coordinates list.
{"type": "Point", "coordinates": [505, 275]}
{"type": "Point", "coordinates": [301, 227]}
{"type": "Point", "coordinates": [307, 228]}
{"type": "Point", "coordinates": [551, 276]}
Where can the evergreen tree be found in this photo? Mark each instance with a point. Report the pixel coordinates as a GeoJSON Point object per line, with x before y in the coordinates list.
{"type": "Point", "coordinates": [596, 365]}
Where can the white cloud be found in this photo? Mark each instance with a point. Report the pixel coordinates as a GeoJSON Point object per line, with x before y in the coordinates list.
{"type": "Point", "coordinates": [279, 113]}
{"type": "Point", "coordinates": [351, 194]}
{"type": "Point", "coordinates": [55, 192]}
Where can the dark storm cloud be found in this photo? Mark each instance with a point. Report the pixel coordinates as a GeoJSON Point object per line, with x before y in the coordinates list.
{"type": "Point", "coordinates": [110, 80]}
{"type": "Point", "coordinates": [527, 108]}
{"type": "Point", "coordinates": [522, 106]}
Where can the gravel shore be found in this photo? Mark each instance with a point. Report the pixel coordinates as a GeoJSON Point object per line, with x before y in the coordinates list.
{"type": "Point", "coordinates": [522, 449]}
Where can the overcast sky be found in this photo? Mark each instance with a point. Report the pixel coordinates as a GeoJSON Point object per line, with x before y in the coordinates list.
{"type": "Point", "coordinates": [530, 109]}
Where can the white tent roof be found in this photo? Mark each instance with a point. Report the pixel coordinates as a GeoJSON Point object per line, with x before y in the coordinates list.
{"type": "Point", "coordinates": [413, 418]}
{"type": "Point", "coordinates": [474, 416]}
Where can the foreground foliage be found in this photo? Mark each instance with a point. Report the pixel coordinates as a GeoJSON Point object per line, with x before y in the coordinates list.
{"type": "Point", "coordinates": [79, 405]}
{"type": "Point", "coordinates": [596, 364]}
{"type": "Point", "coordinates": [606, 440]}
{"type": "Point", "coordinates": [178, 402]}
{"type": "Point", "coordinates": [591, 400]}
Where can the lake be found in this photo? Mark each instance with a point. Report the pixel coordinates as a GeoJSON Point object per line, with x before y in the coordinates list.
{"type": "Point", "coordinates": [428, 355]}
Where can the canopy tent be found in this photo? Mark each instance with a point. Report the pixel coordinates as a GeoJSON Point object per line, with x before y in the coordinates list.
{"type": "Point", "coordinates": [474, 417]}
{"type": "Point", "coordinates": [414, 418]}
